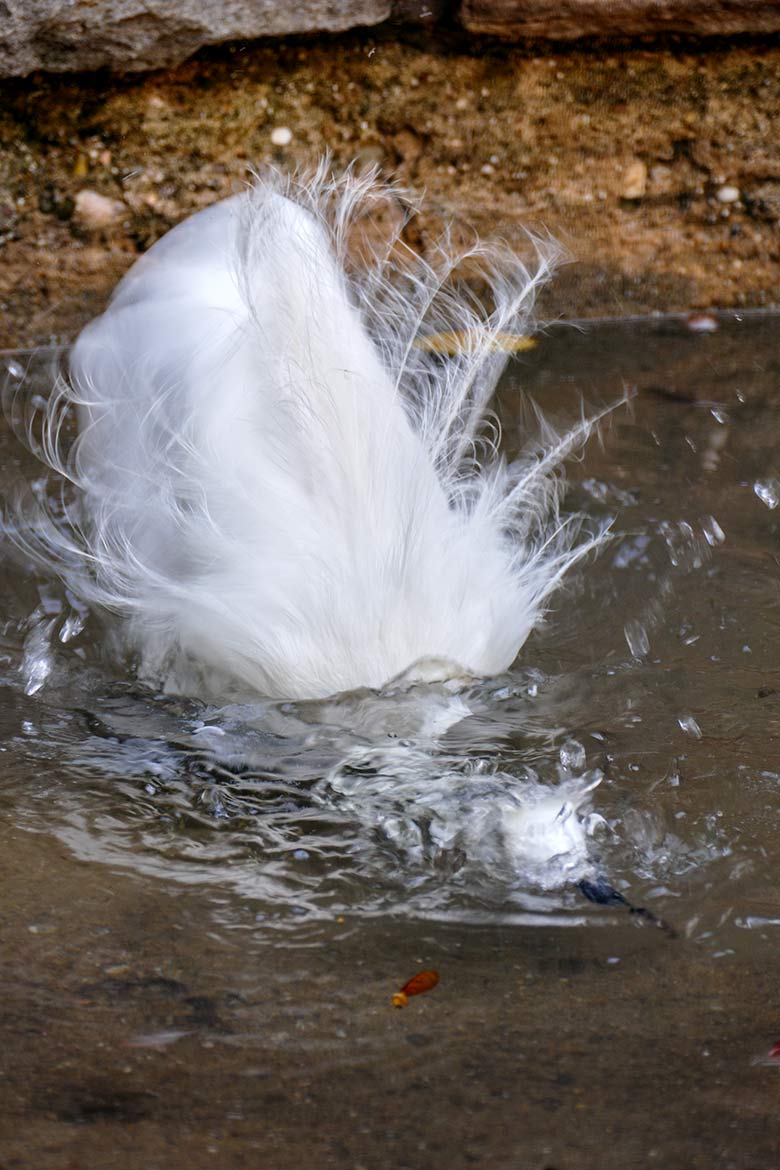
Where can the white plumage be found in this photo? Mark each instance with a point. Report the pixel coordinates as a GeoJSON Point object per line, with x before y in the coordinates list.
{"type": "Point", "coordinates": [279, 491]}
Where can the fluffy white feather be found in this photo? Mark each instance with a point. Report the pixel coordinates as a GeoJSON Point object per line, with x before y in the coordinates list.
{"type": "Point", "coordinates": [279, 490]}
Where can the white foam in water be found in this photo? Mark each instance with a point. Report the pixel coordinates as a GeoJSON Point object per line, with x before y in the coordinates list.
{"type": "Point", "coordinates": [367, 802]}
{"type": "Point", "coordinates": [547, 835]}
{"type": "Point", "coordinates": [372, 793]}
{"type": "Point", "coordinates": [513, 827]}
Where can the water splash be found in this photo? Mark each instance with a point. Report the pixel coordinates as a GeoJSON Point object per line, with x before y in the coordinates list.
{"type": "Point", "coordinates": [689, 725]}
{"type": "Point", "coordinates": [636, 638]}
{"type": "Point", "coordinates": [37, 660]}
{"type": "Point", "coordinates": [267, 801]}
{"type": "Point", "coordinates": [468, 816]}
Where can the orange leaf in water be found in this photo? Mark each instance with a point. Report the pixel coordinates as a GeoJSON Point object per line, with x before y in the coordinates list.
{"type": "Point", "coordinates": [424, 981]}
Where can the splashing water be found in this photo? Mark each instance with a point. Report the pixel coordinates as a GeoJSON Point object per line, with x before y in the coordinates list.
{"type": "Point", "coordinates": [479, 801]}
{"type": "Point", "coordinates": [513, 826]}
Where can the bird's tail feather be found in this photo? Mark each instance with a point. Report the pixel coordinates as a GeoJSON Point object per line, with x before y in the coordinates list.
{"type": "Point", "coordinates": [279, 485]}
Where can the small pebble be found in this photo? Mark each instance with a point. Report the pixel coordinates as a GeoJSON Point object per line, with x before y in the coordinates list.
{"type": "Point", "coordinates": [281, 136]}
{"type": "Point", "coordinates": [662, 180]}
{"type": "Point", "coordinates": [728, 194]}
{"type": "Point", "coordinates": [634, 180]}
{"type": "Point", "coordinates": [98, 211]}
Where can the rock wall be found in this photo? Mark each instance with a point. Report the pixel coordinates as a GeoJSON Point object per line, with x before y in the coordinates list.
{"type": "Point", "coordinates": [658, 170]}
{"type": "Point", "coordinates": [137, 35]}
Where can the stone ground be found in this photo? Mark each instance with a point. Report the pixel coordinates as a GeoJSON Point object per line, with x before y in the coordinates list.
{"type": "Point", "coordinates": [658, 167]}
{"type": "Point", "coordinates": [132, 1036]}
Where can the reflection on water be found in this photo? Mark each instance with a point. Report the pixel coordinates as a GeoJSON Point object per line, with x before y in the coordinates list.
{"type": "Point", "coordinates": [635, 737]}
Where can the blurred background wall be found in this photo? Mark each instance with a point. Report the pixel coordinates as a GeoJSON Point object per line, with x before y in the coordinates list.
{"type": "Point", "coordinates": [644, 134]}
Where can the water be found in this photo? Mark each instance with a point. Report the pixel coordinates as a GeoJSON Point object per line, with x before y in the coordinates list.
{"type": "Point", "coordinates": [640, 723]}
{"type": "Point", "coordinates": [649, 667]}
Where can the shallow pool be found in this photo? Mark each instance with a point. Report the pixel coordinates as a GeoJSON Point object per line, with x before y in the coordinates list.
{"type": "Point", "coordinates": [238, 892]}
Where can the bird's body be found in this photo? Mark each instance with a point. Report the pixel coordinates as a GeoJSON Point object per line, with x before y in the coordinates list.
{"type": "Point", "coordinates": [280, 492]}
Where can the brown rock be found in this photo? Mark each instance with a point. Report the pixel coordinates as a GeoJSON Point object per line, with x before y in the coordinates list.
{"type": "Point", "coordinates": [148, 34]}
{"type": "Point", "coordinates": [569, 19]}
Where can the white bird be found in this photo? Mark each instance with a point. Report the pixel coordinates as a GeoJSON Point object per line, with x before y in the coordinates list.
{"type": "Point", "coordinates": [280, 491]}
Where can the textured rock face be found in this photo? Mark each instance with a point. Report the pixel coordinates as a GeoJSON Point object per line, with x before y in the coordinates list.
{"type": "Point", "coordinates": [70, 35]}
{"type": "Point", "coordinates": [59, 35]}
{"type": "Point", "coordinates": [570, 19]}
{"type": "Point", "coordinates": [659, 170]}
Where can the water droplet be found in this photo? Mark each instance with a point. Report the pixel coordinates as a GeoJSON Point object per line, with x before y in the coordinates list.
{"type": "Point", "coordinates": [72, 626]}
{"type": "Point", "coordinates": [637, 639]}
{"type": "Point", "coordinates": [685, 548]}
{"type": "Point", "coordinates": [37, 661]}
{"type": "Point", "coordinates": [713, 533]}
{"type": "Point", "coordinates": [689, 725]}
{"type": "Point", "coordinates": [632, 550]}
{"type": "Point", "coordinates": [768, 492]}
{"type": "Point", "coordinates": [572, 756]}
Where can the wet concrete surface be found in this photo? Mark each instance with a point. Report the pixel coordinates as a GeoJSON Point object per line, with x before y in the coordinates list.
{"type": "Point", "coordinates": [135, 1033]}
{"type": "Point", "coordinates": [164, 1024]}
